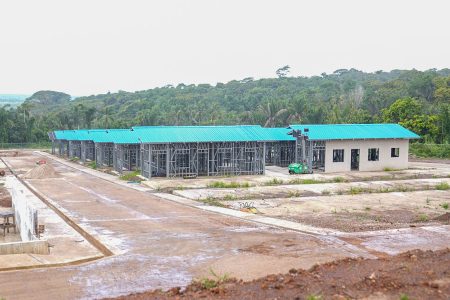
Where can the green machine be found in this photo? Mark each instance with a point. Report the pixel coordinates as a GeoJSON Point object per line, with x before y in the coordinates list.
{"type": "Point", "coordinates": [298, 168]}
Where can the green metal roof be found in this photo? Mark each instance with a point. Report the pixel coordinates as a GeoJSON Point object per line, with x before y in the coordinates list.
{"type": "Point", "coordinates": [194, 134]}
{"type": "Point", "coordinates": [117, 136]}
{"type": "Point", "coordinates": [241, 133]}
{"type": "Point", "coordinates": [356, 131]}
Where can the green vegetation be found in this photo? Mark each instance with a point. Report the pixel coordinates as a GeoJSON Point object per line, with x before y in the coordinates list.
{"type": "Point", "coordinates": [211, 201]}
{"type": "Point", "coordinates": [356, 190]}
{"type": "Point", "coordinates": [274, 181]}
{"type": "Point", "coordinates": [444, 205]}
{"type": "Point", "coordinates": [229, 185]}
{"type": "Point", "coordinates": [325, 192]}
{"type": "Point", "coordinates": [305, 181]}
{"type": "Point", "coordinates": [209, 283]}
{"type": "Point", "coordinates": [443, 186]}
{"type": "Point", "coordinates": [430, 150]}
{"type": "Point", "coordinates": [132, 176]}
{"type": "Point", "coordinates": [423, 218]}
{"type": "Point", "coordinates": [292, 194]}
{"type": "Point", "coordinates": [314, 297]}
{"type": "Point", "coordinates": [404, 297]}
{"type": "Point", "coordinates": [418, 100]}
{"type": "Point", "coordinates": [339, 179]}
{"type": "Point", "coordinates": [92, 165]}
{"type": "Point", "coordinates": [389, 169]}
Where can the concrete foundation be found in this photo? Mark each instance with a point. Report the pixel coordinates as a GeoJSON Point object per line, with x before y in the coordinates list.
{"type": "Point", "coordinates": [35, 247]}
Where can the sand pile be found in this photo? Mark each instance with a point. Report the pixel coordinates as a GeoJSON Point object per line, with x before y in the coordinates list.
{"type": "Point", "coordinates": [41, 172]}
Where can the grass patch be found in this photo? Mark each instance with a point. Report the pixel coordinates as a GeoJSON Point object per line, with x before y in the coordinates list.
{"type": "Point", "coordinates": [132, 176]}
{"type": "Point", "coordinates": [404, 297]}
{"type": "Point", "coordinates": [423, 218]}
{"type": "Point", "coordinates": [367, 208]}
{"type": "Point", "coordinates": [339, 179]}
{"type": "Point", "coordinates": [274, 181]}
{"type": "Point", "coordinates": [443, 186]}
{"type": "Point", "coordinates": [92, 165]}
{"type": "Point", "coordinates": [208, 283]}
{"type": "Point", "coordinates": [75, 159]}
{"type": "Point", "coordinates": [444, 205]}
{"type": "Point", "coordinates": [355, 190]}
{"type": "Point", "coordinates": [292, 194]}
{"type": "Point", "coordinates": [314, 297]}
{"type": "Point", "coordinates": [212, 201]}
{"type": "Point", "coordinates": [325, 192]}
{"type": "Point", "coordinates": [305, 181]}
{"type": "Point", "coordinates": [228, 185]}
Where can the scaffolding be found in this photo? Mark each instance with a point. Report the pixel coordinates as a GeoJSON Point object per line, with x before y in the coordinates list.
{"type": "Point", "coordinates": [189, 160]}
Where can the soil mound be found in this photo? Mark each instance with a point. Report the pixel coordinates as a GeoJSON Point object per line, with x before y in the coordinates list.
{"type": "Point", "coordinates": [41, 172]}
{"type": "Point", "coordinates": [443, 218]}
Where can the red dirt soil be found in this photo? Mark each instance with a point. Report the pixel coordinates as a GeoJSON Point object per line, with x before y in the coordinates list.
{"type": "Point", "coordinates": [413, 275]}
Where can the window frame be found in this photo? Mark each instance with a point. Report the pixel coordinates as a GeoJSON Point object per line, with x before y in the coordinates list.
{"type": "Point", "coordinates": [395, 152]}
{"type": "Point", "coordinates": [370, 155]}
{"type": "Point", "coordinates": [338, 154]}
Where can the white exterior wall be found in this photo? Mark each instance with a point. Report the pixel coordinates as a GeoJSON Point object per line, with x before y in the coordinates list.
{"type": "Point", "coordinates": [385, 159]}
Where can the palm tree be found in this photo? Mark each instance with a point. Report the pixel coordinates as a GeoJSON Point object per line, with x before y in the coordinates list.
{"type": "Point", "coordinates": [273, 114]}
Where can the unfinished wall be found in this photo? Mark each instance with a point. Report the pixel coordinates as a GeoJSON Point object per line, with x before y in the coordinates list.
{"type": "Point", "coordinates": [384, 161]}
{"type": "Point", "coordinates": [25, 213]}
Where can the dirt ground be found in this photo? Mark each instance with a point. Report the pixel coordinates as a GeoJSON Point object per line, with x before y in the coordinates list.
{"type": "Point", "coordinates": [5, 197]}
{"type": "Point", "coordinates": [361, 212]}
{"type": "Point", "coordinates": [411, 275]}
{"type": "Point", "coordinates": [162, 244]}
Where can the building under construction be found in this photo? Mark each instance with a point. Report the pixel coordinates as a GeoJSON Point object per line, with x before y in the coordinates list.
{"type": "Point", "coordinates": [191, 151]}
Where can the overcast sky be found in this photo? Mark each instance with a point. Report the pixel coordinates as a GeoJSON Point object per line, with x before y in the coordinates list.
{"type": "Point", "coordinates": [88, 47]}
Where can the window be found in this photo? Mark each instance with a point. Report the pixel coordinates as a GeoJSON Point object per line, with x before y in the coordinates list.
{"type": "Point", "coordinates": [374, 154]}
{"type": "Point", "coordinates": [338, 155]}
{"type": "Point", "coordinates": [395, 152]}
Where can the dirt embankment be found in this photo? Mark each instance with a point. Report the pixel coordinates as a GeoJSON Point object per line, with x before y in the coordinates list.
{"type": "Point", "coordinates": [5, 198]}
{"type": "Point", "coordinates": [411, 275]}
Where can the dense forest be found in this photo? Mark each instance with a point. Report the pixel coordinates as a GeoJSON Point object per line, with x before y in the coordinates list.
{"type": "Point", "coordinates": [418, 100]}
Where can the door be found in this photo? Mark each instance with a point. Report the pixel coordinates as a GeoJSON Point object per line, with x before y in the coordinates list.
{"type": "Point", "coordinates": [355, 160]}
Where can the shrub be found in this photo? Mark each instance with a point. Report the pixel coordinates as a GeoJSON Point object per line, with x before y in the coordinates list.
{"type": "Point", "coordinates": [430, 150]}
{"type": "Point", "coordinates": [423, 218]}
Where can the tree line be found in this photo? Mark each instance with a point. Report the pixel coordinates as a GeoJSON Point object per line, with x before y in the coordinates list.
{"type": "Point", "coordinates": [419, 100]}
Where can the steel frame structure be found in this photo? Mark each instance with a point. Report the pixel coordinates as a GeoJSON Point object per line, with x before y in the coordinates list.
{"type": "Point", "coordinates": [87, 151]}
{"type": "Point", "coordinates": [104, 153]}
{"type": "Point", "coordinates": [280, 153]}
{"type": "Point", "coordinates": [74, 149]}
{"type": "Point", "coordinates": [203, 159]}
{"type": "Point", "coordinates": [126, 157]}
